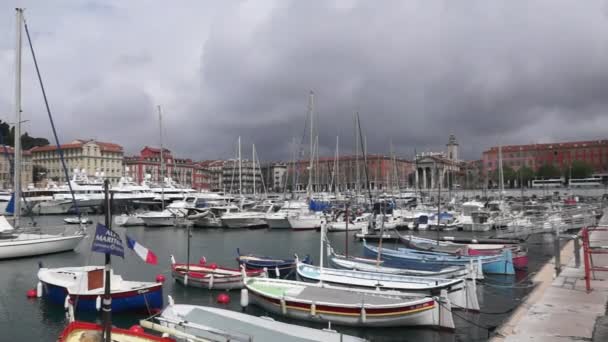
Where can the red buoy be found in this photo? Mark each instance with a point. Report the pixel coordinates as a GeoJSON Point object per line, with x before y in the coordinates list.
{"type": "Point", "coordinates": [136, 329]}
{"type": "Point", "coordinates": [213, 266]}
{"type": "Point", "coordinates": [223, 298]}
{"type": "Point", "coordinates": [202, 261]}
{"type": "Point", "coordinates": [160, 278]}
{"type": "Point", "coordinates": [31, 293]}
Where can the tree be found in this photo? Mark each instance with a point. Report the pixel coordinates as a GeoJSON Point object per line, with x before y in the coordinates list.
{"type": "Point", "coordinates": [548, 171]}
{"type": "Point", "coordinates": [7, 137]}
{"type": "Point", "coordinates": [580, 169]}
{"type": "Point", "coordinates": [509, 176]}
{"type": "Point", "coordinates": [526, 174]}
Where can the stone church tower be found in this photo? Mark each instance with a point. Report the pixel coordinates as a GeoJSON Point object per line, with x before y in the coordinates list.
{"type": "Point", "coordinates": [452, 148]}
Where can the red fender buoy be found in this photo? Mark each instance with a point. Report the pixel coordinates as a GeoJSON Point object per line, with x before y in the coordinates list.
{"type": "Point", "coordinates": [223, 298]}
{"type": "Point", "coordinates": [31, 293]}
{"type": "Point", "coordinates": [136, 329]}
{"type": "Point", "coordinates": [160, 278]}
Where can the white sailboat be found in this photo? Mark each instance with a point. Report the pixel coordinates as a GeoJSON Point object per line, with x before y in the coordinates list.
{"type": "Point", "coordinates": [310, 220]}
{"type": "Point", "coordinates": [15, 242]}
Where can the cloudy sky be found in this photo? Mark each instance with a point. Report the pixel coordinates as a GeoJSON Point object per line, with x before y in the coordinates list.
{"type": "Point", "coordinates": [490, 72]}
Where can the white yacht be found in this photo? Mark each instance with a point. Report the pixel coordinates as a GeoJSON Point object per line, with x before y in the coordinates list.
{"type": "Point", "coordinates": [254, 217]}
{"type": "Point", "coordinates": [166, 217]}
{"type": "Point", "coordinates": [280, 219]}
{"type": "Point", "coordinates": [358, 223]}
{"type": "Point", "coordinates": [212, 217]}
{"type": "Point", "coordinates": [87, 192]}
{"type": "Point", "coordinates": [169, 190]}
{"type": "Point", "coordinates": [127, 189]}
{"type": "Point", "coordinates": [307, 221]}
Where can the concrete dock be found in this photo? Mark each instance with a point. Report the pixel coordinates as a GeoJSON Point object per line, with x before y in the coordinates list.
{"type": "Point", "coordinates": [559, 308]}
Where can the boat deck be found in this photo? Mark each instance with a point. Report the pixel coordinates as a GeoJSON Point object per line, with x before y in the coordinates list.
{"type": "Point", "coordinates": [76, 336]}
{"type": "Point", "coordinates": [270, 331]}
{"type": "Point", "coordinates": [332, 295]}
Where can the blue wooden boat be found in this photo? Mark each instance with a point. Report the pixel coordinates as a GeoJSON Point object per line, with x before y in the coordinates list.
{"type": "Point", "coordinates": [404, 257]}
{"type": "Point", "coordinates": [85, 287]}
{"type": "Point", "coordinates": [276, 267]}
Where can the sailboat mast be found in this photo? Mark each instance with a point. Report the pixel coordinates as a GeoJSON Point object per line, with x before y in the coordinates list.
{"type": "Point", "coordinates": [240, 170]}
{"type": "Point", "coordinates": [310, 166]}
{"type": "Point", "coordinates": [17, 166]}
{"type": "Point", "coordinates": [358, 183]}
{"type": "Point", "coordinates": [253, 160]}
{"type": "Point", "coordinates": [162, 159]}
{"type": "Point", "coordinates": [337, 165]}
{"type": "Point", "coordinates": [500, 172]}
{"type": "Point", "coordinates": [106, 306]}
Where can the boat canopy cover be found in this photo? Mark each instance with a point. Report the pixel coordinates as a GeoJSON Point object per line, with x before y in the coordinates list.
{"type": "Point", "coordinates": [5, 226]}
{"type": "Point", "coordinates": [318, 205]}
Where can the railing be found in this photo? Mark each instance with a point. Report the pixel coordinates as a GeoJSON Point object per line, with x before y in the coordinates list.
{"type": "Point", "coordinates": [588, 252]}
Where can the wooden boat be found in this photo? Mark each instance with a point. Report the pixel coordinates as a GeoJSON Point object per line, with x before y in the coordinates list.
{"type": "Point", "coordinates": [369, 265]}
{"type": "Point", "coordinates": [78, 331]}
{"type": "Point", "coordinates": [520, 255]}
{"type": "Point", "coordinates": [495, 264]}
{"type": "Point", "coordinates": [376, 237]}
{"type": "Point", "coordinates": [215, 324]}
{"type": "Point", "coordinates": [461, 293]}
{"type": "Point", "coordinates": [84, 285]}
{"type": "Point", "coordinates": [275, 267]}
{"type": "Point", "coordinates": [210, 276]}
{"type": "Point", "coordinates": [348, 306]}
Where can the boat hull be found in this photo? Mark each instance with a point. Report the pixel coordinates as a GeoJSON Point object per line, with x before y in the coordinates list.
{"type": "Point", "coordinates": [73, 333]}
{"type": "Point", "coordinates": [137, 300]}
{"type": "Point", "coordinates": [128, 221]}
{"type": "Point", "coordinates": [278, 268]}
{"type": "Point", "coordinates": [496, 264]}
{"type": "Point", "coordinates": [33, 246]}
{"type": "Point", "coordinates": [461, 294]}
{"type": "Point", "coordinates": [425, 314]}
{"type": "Point", "coordinates": [52, 207]}
{"type": "Point", "coordinates": [158, 221]}
{"type": "Point", "coordinates": [448, 272]}
{"type": "Point", "coordinates": [305, 223]}
{"type": "Point", "coordinates": [207, 222]}
{"type": "Point", "coordinates": [278, 223]}
{"type": "Point", "coordinates": [244, 222]}
{"type": "Point", "coordinates": [220, 278]}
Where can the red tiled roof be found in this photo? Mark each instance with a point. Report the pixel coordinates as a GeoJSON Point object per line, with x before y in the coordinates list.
{"type": "Point", "coordinates": [549, 146]}
{"type": "Point", "coordinates": [11, 150]}
{"type": "Point", "coordinates": [105, 146]}
{"type": "Point", "coordinates": [110, 147]}
{"type": "Point", "coordinates": [154, 149]}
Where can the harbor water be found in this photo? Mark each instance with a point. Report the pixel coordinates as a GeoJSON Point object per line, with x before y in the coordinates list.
{"type": "Point", "coordinates": [23, 319]}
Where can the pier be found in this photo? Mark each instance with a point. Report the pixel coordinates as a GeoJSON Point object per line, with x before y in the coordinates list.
{"type": "Point", "coordinates": [560, 308]}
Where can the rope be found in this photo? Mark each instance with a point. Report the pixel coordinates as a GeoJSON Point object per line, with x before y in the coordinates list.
{"type": "Point", "coordinates": [488, 312]}
{"type": "Point", "coordinates": [48, 110]}
{"type": "Point", "coordinates": [147, 305]}
{"type": "Point", "coordinates": [469, 321]}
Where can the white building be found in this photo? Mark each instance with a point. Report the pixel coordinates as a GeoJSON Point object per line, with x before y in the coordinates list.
{"type": "Point", "coordinates": [95, 157]}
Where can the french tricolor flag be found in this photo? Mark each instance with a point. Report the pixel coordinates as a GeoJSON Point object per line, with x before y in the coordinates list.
{"type": "Point", "coordinates": [144, 253]}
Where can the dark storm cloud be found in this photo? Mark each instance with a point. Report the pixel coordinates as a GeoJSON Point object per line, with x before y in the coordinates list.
{"type": "Point", "coordinates": [490, 72]}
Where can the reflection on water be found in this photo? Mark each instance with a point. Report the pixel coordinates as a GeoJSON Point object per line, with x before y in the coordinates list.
{"type": "Point", "coordinates": [23, 319]}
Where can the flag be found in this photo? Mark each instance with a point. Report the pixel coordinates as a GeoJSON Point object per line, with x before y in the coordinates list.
{"type": "Point", "coordinates": [144, 253]}
{"type": "Point", "coordinates": [107, 241]}
{"type": "Point", "coordinates": [10, 207]}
